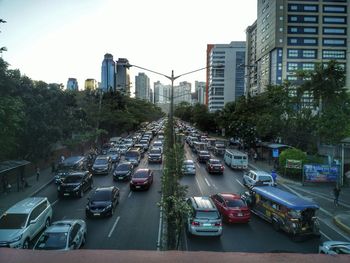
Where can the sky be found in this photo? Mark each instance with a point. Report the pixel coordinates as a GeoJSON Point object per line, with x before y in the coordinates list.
{"type": "Point", "coordinates": [53, 40]}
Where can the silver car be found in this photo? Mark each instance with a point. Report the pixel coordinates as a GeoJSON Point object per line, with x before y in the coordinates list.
{"type": "Point", "coordinates": [334, 247]}
{"type": "Point", "coordinates": [63, 235]}
{"type": "Point", "coordinates": [189, 168]}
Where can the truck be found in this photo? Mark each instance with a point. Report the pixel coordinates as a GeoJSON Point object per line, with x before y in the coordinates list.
{"type": "Point", "coordinates": [236, 159]}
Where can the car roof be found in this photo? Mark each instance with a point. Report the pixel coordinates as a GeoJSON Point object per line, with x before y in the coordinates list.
{"type": "Point", "coordinates": [142, 170]}
{"type": "Point", "coordinates": [104, 189]}
{"type": "Point", "coordinates": [25, 206]}
{"type": "Point", "coordinates": [188, 161]}
{"type": "Point", "coordinates": [102, 157]}
{"type": "Point", "coordinates": [259, 172]}
{"type": "Point", "coordinates": [214, 160]}
{"type": "Point", "coordinates": [203, 202]}
{"type": "Point", "coordinates": [230, 196]}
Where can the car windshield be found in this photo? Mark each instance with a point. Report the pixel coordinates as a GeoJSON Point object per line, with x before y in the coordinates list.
{"type": "Point", "coordinates": [155, 151]}
{"type": "Point", "coordinates": [102, 196]}
{"type": "Point", "coordinates": [157, 144]}
{"type": "Point", "coordinates": [203, 153]}
{"type": "Point", "coordinates": [122, 167]}
{"type": "Point", "coordinates": [207, 214]}
{"type": "Point", "coordinates": [13, 221]}
{"type": "Point", "coordinates": [141, 174]}
{"type": "Point", "coordinates": [215, 162]}
{"type": "Point", "coordinates": [72, 178]}
{"type": "Point", "coordinates": [52, 241]}
{"type": "Point", "coordinates": [265, 178]}
{"type": "Point", "coordinates": [132, 154]}
{"type": "Point", "coordinates": [235, 203]}
{"type": "Point", "coordinates": [101, 161]}
{"type": "Point", "coordinates": [187, 163]}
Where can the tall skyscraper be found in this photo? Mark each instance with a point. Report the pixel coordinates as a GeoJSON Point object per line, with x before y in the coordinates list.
{"type": "Point", "coordinates": [161, 92]}
{"type": "Point", "coordinates": [199, 88]}
{"type": "Point", "coordinates": [91, 84]}
{"type": "Point", "coordinates": [182, 93]}
{"type": "Point", "coordinates": [108, 73]}
{"type": "Point", "coordinates": [142, 86]}
{"type": "Point", "coordinates": [226, 73]}
{"type": "Point", "coordinates": [123, 77]}
{"type": "Point", "coordinates": [294, 35]}
{"type": "Point", "coordinates": [151, 95]}
{"type": "Point", "coordinates": [72, 84]}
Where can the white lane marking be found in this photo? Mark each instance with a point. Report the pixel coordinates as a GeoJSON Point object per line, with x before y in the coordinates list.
{"type": "Point", "coordinates": [323, 234]}
{"type": "Point", "coordinates": [55, 202]}
{"type": "Point", "coordinates": [198, 165]}
{"type": "Point", "coordinates": [205, 179]}
{"type": "Point", "coordinates": [200, 189]}
{"type": "Point", "coordinates": [130, 193]}
{"type": "Point", "coordinates": [335, 230]}
{"type": "Point", "coordinates": [215, 186]}
{"type": "Point", "coordinates": [326, 212]}
{"type": "Point", "coordinates": [160, 226]}
{"type": "Point", "coordinates": [113, 227]}
{"type": "Point", "coordinates": [239, 183]}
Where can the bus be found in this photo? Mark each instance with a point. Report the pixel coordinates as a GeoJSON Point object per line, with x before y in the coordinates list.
{"type": "Point", "coordinates": [236, 159]}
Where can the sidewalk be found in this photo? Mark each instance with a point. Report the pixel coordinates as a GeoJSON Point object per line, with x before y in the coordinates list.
{"type": "Point", "coordinates": [34, 187]}
{"type": "Point", "coordinates": [341, 218]}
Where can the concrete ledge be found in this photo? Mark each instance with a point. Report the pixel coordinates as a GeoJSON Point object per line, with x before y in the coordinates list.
{"type": "Point", "coordinates": [339, 221]}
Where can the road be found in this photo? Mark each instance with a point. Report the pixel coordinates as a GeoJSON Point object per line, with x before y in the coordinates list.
{"type": "Point", "coordinates": [135, 224]}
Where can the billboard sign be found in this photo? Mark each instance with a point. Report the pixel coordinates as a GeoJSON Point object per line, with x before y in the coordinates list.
{"type": "Point", "coordinates": [320, 173]}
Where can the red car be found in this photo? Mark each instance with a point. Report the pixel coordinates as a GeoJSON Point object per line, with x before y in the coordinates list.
{"type": "Point", "coordinates": [232, 208]}
{"type": "Point", "coordinates": [141, 179]}
{"type": "Point", "coordinates": [215, 166]}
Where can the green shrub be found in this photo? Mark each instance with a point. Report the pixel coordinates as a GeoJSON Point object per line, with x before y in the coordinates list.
{"type": "Point", "coordinates": [291, 154]}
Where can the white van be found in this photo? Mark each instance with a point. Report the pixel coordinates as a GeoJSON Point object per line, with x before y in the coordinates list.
{"type": "Point", "coordinates": [236, 159]}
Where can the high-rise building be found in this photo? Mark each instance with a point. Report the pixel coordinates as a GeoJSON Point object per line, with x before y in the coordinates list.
{"type": "Point", "coordinates": [91, 84]}
{"type": "Point", "coordinates": [294, 35]}
{"type": "Point", "coordinates": [142, 86]}
{"type": "Point", "coordinates": [123, 76]}
{"type": "Point", "coordinates": [161, 92]}
{"type": "Point", "coordinates": [199, 88]}
{"type": "Point", "coordinates": [182, 93]}
{"type": "Point", "coordinates": [108, 73]}
{"type": "Point", "coordinates": [151, 96]}
{"type": "Point", "coordinates": [226, 73]}
{"type": "Point", "coordinates": [72, 84]}
{"type": "Point", "coordinates": [251, 81]}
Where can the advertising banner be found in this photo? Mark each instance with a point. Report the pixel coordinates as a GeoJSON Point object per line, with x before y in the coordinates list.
{"type": "Point", "coordinates": [320, 173]}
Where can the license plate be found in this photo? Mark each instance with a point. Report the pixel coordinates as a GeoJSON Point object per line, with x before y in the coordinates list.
{"type": "Point", "coordinates": [216, 168]}
{"type": "Point", "coordinates": [206, 224]}
{"type": "Point", "coordinates": [240, 214]}
{"type": "Point", "coordinates": [137, 186]}
{"type": "Point", "coordinates": [65, 194]}
{"type": "Point", "coordinates": [96, 214]}
{"type": "Point", "coordinates": [120, 178]}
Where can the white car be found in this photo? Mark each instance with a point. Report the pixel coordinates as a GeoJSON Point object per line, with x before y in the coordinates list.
{"type": "Point", "coordinates": [189, 168]}
{"type": "Point", "coordinates": [23, 221]}
{"type": "Point", "coordinates": [334, 247]}
{"type": "Point", "coordinates": [257, 178]}
{"type": "Point", "coordinates": [63, 235]}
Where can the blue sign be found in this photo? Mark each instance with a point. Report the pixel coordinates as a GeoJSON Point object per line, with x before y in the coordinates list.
{"type": "Point", "coordinates": [320, 173]}
{"type": "Point", "coordinates": [275, 153]}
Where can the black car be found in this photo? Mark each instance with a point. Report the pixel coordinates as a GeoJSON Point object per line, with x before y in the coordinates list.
{"type": "Point", "coordinates": [102, 202]}
{"type": "Point", "coordinates": [203, 156]}
{"type": "Point", "coordinates": [102, 165]}
{"type": "Point", "coordinates": [75, 184]}
{"type": "Point", "coordinates": [123, 171]}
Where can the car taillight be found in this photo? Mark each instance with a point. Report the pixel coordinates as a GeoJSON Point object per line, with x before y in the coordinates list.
{"type": "Point", "coordinates": [194, 223]}
{"type": "Point", "coordinates": [211, 167]}
{"type": "Point", "coordinates": [218, 224]}
{"type": "Point", "coordinates": [222, 167]}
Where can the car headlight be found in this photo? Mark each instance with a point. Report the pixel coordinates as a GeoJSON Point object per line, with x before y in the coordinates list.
{"type": "Point", "coordinates": [108, 207]}
{"type": "Point", "coordinates": [76, 188]}
{"type": "Point", "coordinates": [145, 182]}
{"type": "Point", "coordinates": [18, 238]}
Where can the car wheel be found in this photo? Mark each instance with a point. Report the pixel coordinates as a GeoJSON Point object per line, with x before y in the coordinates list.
{"type": "Point", "coordinates": [81, 193]}
{"type": "Point", "coordinates": [26, 244]}
{"type": "Point", "coordinates": [47, 222]}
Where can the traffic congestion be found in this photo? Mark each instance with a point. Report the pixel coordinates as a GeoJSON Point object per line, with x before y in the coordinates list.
{"type": "Point", "coordinates": [109, 199]}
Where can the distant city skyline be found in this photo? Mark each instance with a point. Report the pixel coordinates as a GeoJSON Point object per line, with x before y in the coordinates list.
{"type": "Point", "coordinates": [73, 36]}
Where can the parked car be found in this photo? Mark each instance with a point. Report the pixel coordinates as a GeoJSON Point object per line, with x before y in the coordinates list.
{"type": "Point", "coordinates": [102, 202]}
{"type": "Point", "coordinates": [23, 221]}
{"type": "Point", "coordinates": [75, 184]}
{"type": "Point", "coordinates": [189, 168]}
{"type": "Point", "coordinates": [203, 156]}
{"type": "Point", "coordinates": [155, 155]}
{"type": "Point", "coordinates": [141, 179]}
{"type": "Point", "coordinates": [334, 247]}
{"type": "Point", "coordinates": [102, 165]}
{"type": "Point", "coordinates": [63, 235]}
{"type": "Point", "coordinates": [123, 171]}
{"type": "Point", "coordinates": [215, 166]}
{"type": "Point", "coordinates": [257, 178]}
{"type": "Point", "coordinates": [232, 208]}
{"type": "Point", "coordinates": [204, 218]}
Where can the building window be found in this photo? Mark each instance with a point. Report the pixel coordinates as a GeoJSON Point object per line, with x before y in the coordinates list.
{"type": "Point", "coordinates": [334, 30]}
{"type": "Point", "coordinates": [292, 78]}
{"type": "Point", "coordinates": [310, 30]}
{"type": "Point", "coordinates": [292, 66]}
{"type": "Point", "coordinates": [310, 41]}
{"type": "Point", "coordinates": [293, 30]}
{"type": "Point", "coordinates": [308, 66]}
{"type": "Point", "coordinates": [292, 53]}
{"type": "Point", "coordinates": [333, 54]}
{"type": "Point", "coordinates": [309, 54]}
{"type": "Point", "coordinates": [281, 40]}
{"type": "Point", "coordinates": [310, 19]}
{"type": "Point", "coordinates": [281, 29]}
{"type": "Point", "coordinates": [334, 20]}
{"type": "Point", "coordinates": [334, 9]}
{"type": "Point", "coordinates": [310, 8]}
{"type": "Point", "coordinates": [333, 42]}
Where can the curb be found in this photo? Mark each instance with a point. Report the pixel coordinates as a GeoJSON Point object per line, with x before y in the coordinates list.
{"type": "Point", "coordinates": [341, 225]}
{"type": "Point", "coordinates": [41, 188]}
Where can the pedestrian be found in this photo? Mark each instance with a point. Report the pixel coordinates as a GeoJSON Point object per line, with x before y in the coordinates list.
{"type": "Point", "coordinates": [274, 176]}
{"type": "Point", "coordinates": [336, 192]}
{"type": "Point", "coordinates": [37, 173]}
